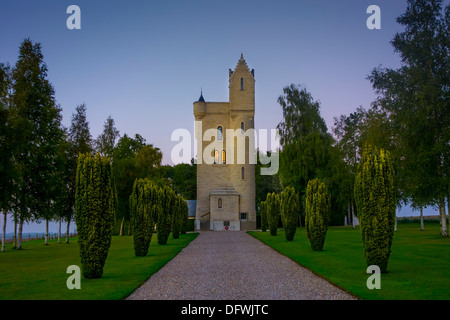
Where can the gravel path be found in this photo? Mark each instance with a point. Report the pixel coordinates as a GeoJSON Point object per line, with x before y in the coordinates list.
{"type": "Point", "coordinates": [234, 266]}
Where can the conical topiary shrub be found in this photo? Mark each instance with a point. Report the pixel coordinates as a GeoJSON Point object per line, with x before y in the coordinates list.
{"type": "Point", "coordinates": [95, 210]}
{"type": "Point", "coordinates": [375, 203]}
{"type": "Point", "coordinates": [317, 218]}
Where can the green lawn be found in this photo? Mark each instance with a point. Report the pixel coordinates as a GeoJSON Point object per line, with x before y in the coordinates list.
{"type": "Point", "coordinates": [38, 272]}
{"type": "Point", "coordinates": [419, 266]}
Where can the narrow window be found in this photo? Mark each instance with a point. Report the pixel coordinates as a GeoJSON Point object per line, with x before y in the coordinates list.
{"type": "Point", "coordinates": [242, 127]}
{"type": "Point", "coordinates": [242, 83]}
{"type": "Point", "coordinates": [216, 157]}
{"type": "Point", "coordinates": [219, 133]}
{"type": "Point", "coordinates": [244, 216]}
{"type": "Point", "coordinates": [219, 203]}
{"type": "Point", "coordinates": [224, 157]}
{"type": "Point", "coordinates": [242, 173]}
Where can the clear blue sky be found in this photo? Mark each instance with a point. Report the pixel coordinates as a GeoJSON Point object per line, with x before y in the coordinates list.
{"type": "Point", "coordinates": [144, 62]}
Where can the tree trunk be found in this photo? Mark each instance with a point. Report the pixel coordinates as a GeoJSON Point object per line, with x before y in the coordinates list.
{"type": "Point", "coordinates": [395, 225]}
{"type": "Point", "coordinates": [67, 231]}
{"type": "Point", "coordinates": [121, 227]}
{"type": "Point", "coordinates": [448, 208]}
{"type": "Point", "coordinates": [19, 236]}
{"type": "Point", "coordinates": [4, 232]}
{"type": "Point", "coordinates": [421, 220]}
{"type": "Point", "coordinates": [59, 231]}
{"type": "Point", "coordinates": [353, 216]}
{"type": "Point", "coordinates": [15, 232]}
{"type": "Point", "coordinates": [349, 213]}
{"type": "Point", "coordinates": [443, 217]}
{"type": "Point", "coordinates": [46, 232]}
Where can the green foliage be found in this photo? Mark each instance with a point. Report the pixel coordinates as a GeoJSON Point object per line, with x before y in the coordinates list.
{"type": "Point", "coordinates": [318, 207]}
{"type": "Point", "coordinates": [185, 218]}
{"type": "Point", "coordinates": [106, 141]}
{"type": "Point", "coordinates": [133, 159]}
{"type": "Point", "coordinates": [144, 201]}
{"type": "Point", "coordinates": [273, 212]}
{"type": "Point", "coordinates": [265, 183]}
{"type": "Point", "coordinates": [95, 209]}
{"type": "Point", "coordinates": [7, 167]}
{"type": "Point", "coordinates": [183, 177]}
{"type": "Point", "coordinates": [263, 211]}
{"type": "Point", "coordinates": [415, 101]}
{"type": "Point", "coordinates": [178, 219]}
{"type": "Point", "coordinates": [79, 134]}
{"type": "Point", "coordinates": [375, 201]}
{"type": "Point", "coordinates": [165, 215]}
{"type": "Point", "coordinates": [289, 209]}
{"type": "Point", "coordinates": [304, 139]}
{"type": "Point", "coordinates": [36, 120]}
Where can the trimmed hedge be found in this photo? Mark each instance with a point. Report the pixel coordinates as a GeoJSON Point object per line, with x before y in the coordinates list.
{"type": "Point", "coordinates": [144, 203]}
{"type": "Point", "coordinates": [289, 208]}
{"type": "Point", "coordinates": [375, 203]}
{"type": "Point", "coordinates": [95, 210]}
{"type": "Point", "coordinates": [165, 215]}
{"type": "Point", "coordinates": [273, 212]}
{"type": "Point", "coordinates": [185, 216]}
{"type": "Point", "coordinates": [179, 216]}
{"type": "Point", "coordinates": [263, 211]}
{"type": "Point", "coordinates": [318, 210]}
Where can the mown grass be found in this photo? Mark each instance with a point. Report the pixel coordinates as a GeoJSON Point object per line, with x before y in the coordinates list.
{"type": "Point", "coordinates": [418, 269]}
{"type": "Point", "coordinates": [38, 272]}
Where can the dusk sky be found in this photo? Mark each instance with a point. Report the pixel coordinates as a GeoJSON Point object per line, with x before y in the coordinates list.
{"type": "Point", "coordinates": [145, 62]}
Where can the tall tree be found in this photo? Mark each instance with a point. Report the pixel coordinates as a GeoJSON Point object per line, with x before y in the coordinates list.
{"type": "Point", "coordinates": [264, 184]}
{"type": "Point", "coordinates": [79, 133]}
{"type": "Point", "coordinates": [183, 178]}
{"type": "Point", "coordinates": [148, 162]}
{"type": "Point", "coordinates": [7, 168]}
{"type": "Point", "coordinates": [349, 133]}
{"type": "Point", "coordinates": [78, 141]}
{"type": "Point", "coordinates": [416, 100]}
{"type": "Point", "coordinates": [37, 121]}
{"type": "Point", "coordinates": [304, 140]}
{"type": "Point", "coordinates": [106, 141]}
{"type": "Point", "coordinates": [65, 185]}
{"type": "Point", "coordinates": [125, 173]}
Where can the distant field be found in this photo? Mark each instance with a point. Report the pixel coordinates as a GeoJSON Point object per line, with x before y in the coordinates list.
{"type": "Point", "coordinates": [418, 269]}
{"type": "Point", "coordinates": [38, 272]}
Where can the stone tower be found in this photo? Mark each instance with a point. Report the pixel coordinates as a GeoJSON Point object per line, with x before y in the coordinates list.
{"type": "Point", "coordinates": [225, 156]}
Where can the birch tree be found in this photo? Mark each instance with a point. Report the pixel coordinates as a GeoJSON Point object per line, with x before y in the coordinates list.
{"type": "Point", "coordinates": [416, 100]}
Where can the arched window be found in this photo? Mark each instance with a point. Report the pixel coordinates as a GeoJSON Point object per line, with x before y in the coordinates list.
{"type": "Point", "coordinates": [242, 83]}
{"type": "Point", "coordinates": [219, 203]}
{"type": "Point", "coordinates": [242, 127]}
{"type": "Point", "coordinates": [242, 173]}
{"type": "Point", "coordinates": [224, 157]}
{"type": "Point", "coordinates": [219, 133]}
